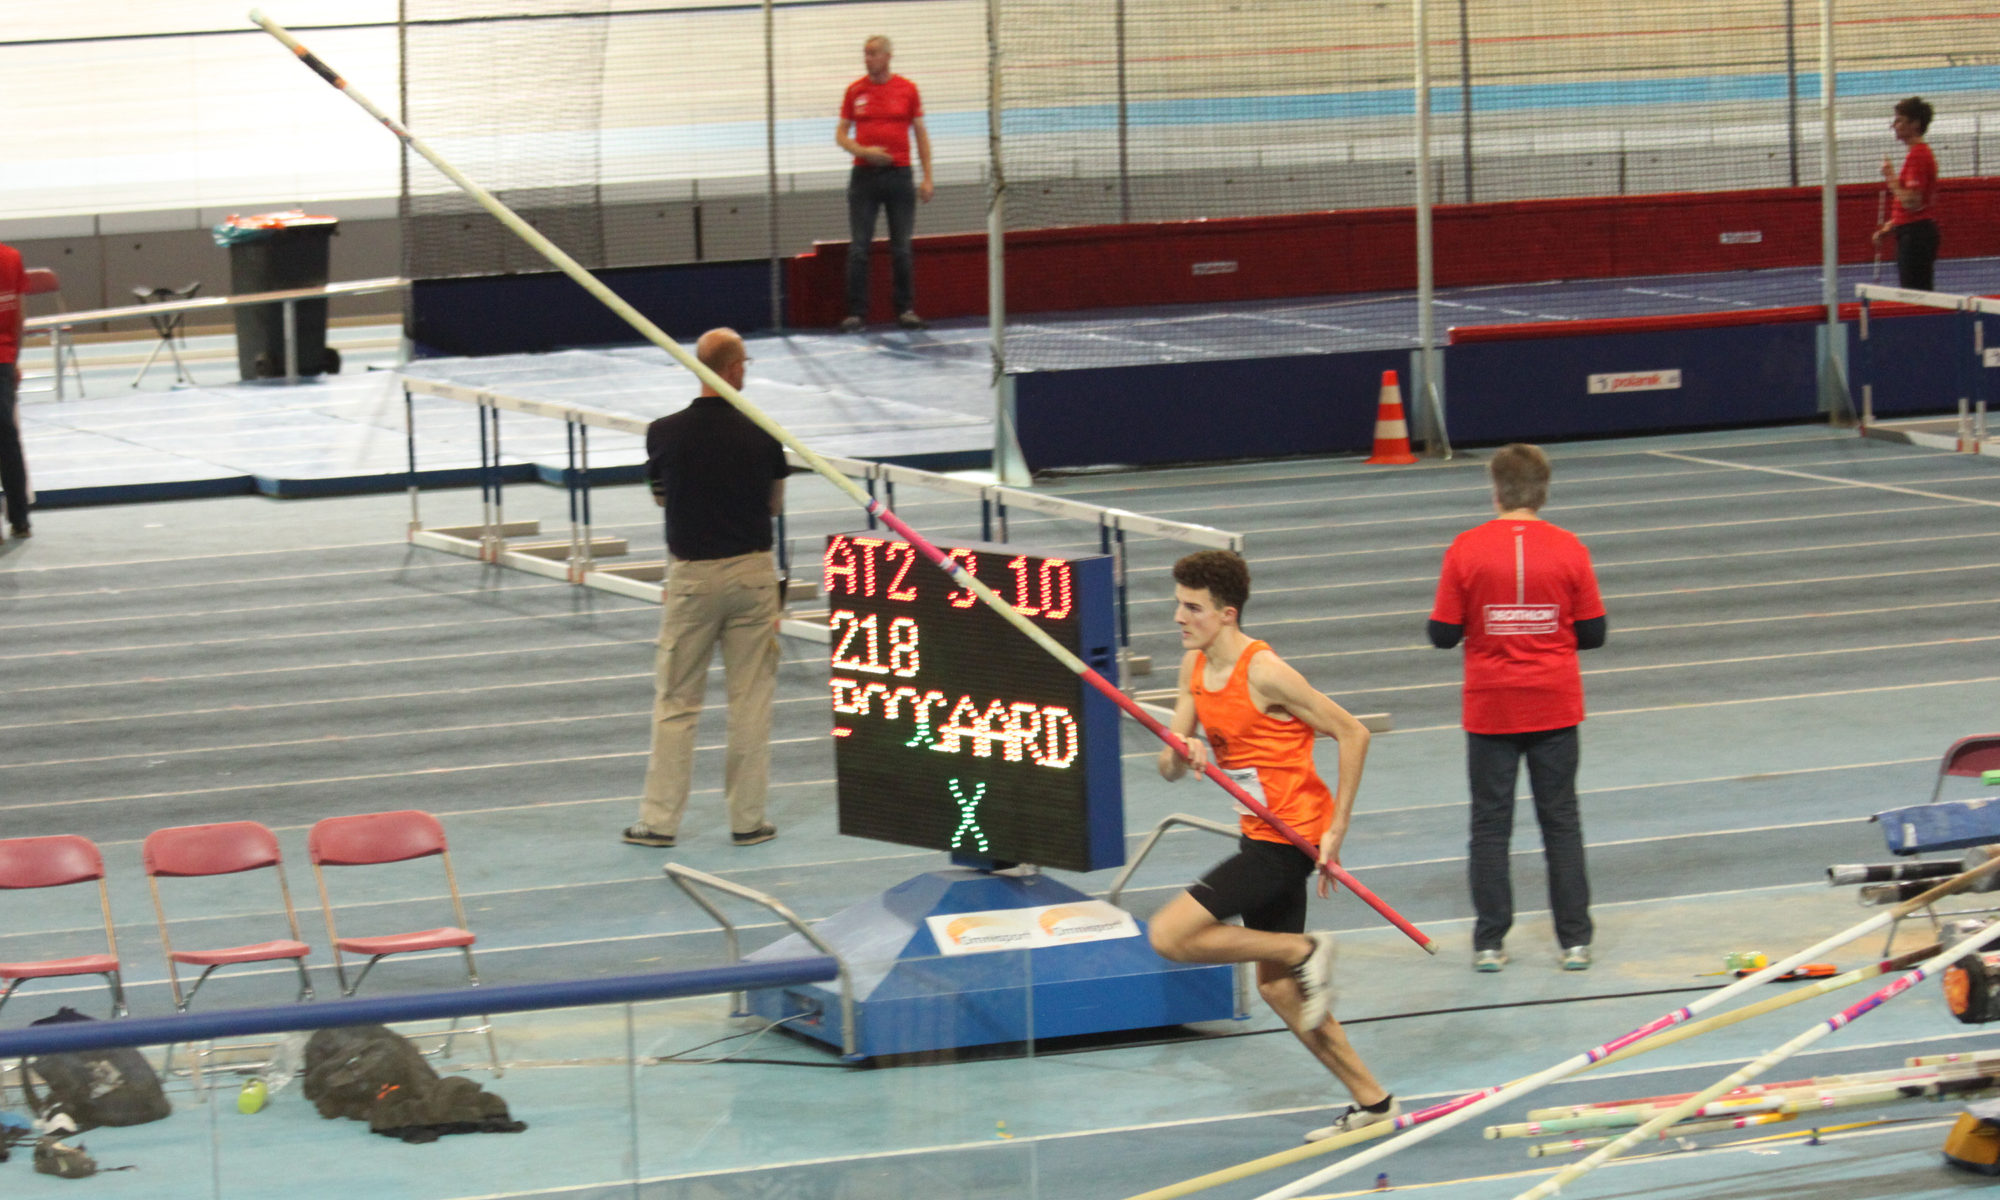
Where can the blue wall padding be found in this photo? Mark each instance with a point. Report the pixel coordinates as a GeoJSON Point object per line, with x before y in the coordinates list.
{"type": "Point", "coordinates": [523, 314]}
{"type": "Point", "coordinates": [1525, 390]}
{"type": "Point", "coordinates": [1204, 411]}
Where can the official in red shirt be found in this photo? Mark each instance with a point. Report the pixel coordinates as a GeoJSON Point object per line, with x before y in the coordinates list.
{"type": "Point", "coordinates": [880, 117]}
{"type": "Point", "coordinates": [1521, 595]}
{"type": "Point", "coordinates": [13, 464]}
{"type": "Point", "coordinates": [1912, 191]}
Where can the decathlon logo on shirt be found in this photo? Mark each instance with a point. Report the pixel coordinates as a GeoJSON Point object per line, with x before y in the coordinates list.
{"type": "Point", "coordinates": [1635, 381]}
{"type": "Point", "coordinates": [1508, 619]}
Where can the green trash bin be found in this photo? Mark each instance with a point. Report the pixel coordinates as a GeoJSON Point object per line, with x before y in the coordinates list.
{"type": "Point", "coordinates": [274, 252]}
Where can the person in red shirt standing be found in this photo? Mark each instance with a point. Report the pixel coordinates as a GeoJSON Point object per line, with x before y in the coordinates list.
{"type": "Point", "coordinates": [880, 117]}
{"type": "Point", "coordinates": [1521, 595]}
{"type": "Point", "coordinates": [1261, 717]}
{"type": "Point", "coordinates": [13, 464]}
{"type": "Point", "coordinates": [1913, 190]}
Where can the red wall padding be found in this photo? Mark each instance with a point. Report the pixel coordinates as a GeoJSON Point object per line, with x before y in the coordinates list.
{"type": "Point", "coordinates": [1307, 254]}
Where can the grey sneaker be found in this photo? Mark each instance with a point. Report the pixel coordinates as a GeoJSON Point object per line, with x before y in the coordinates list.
{"type": "Point", "coordinates": [1576, 958]}
{"type": "Point", "coordinates": [639, 835]}
{"type": "Point", "coordinates": [851, 324]}
{"type": "Point", "coordinates": [763, 833]}
{"type": "Point", "coordinates": [910, 320]}
{"type": "Point", "coordinates": [1315, 976]}
{"type": "Point", "coordinates": [1356, 1118]}
{"type": "Point", "coordinates": [1489, 961]}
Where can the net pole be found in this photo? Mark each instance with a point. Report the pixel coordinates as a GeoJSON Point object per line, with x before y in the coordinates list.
{"type": "Point", "coordinates": [1009, 465]}
{"type": "Point", "coordinates": [1436, 444]}
{"type": "Point", "coordinates": [874, 508]}
{"type": "Point", "coordinates": [771, 161]}
{"type": "Point", "coordinates": [1833, 375]}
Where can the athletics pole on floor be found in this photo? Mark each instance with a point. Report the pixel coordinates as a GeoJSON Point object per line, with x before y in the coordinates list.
{"type": "Point", "coordinates": [654, 334]}
{"type": "Point", "coordinates": [1419, 1126]}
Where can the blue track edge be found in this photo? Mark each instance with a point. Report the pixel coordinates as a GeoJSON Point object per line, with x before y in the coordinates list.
{"type": "Point", "coordinates": [378, 1010]}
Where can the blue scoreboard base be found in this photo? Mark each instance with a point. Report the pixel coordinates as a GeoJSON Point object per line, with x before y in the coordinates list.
{"type": "Point", "coordinates": [909, 998]}
{"type": "Point", "coordinates": [1945, 825]}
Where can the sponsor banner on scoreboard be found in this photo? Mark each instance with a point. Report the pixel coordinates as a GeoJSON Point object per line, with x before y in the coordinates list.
{"type": "Point", "coordinates": [1031, 928]}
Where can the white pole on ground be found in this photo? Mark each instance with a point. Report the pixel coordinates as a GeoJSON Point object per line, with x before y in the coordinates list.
{"type": "Point", "coordinates": [819, 465]}
{"type": "Point", "coordinates": [1818, 1030]}
{"type": "Point", "coordinates": [1421, 1126]}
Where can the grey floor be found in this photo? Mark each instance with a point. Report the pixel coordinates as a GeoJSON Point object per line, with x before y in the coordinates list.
{"type": "Point", "coordinates": [1799, 623]}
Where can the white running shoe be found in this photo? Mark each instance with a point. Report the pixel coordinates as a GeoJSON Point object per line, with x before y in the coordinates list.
{"type": "Point", "coordinates": [1356, 1118]}
{"type": "Point", "coordinates": [1315, 976]}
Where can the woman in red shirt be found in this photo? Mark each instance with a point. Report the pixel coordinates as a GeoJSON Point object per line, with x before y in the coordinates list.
{"type": "Point", "coordinates": [1914, 189]}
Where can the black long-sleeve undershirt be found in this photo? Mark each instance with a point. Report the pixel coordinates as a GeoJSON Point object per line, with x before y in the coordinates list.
{"type": "Point", "coordinates": [1589, 634]}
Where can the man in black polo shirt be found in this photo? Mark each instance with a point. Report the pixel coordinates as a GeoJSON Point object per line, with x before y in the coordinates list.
{"type": "Point", "coordinates": [721, 479]}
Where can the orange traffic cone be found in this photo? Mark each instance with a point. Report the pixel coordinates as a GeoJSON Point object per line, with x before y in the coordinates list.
{"type": "Point", "coordinates": [1392, 432]}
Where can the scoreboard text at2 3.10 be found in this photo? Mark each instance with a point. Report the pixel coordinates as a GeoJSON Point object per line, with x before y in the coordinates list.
{"type": "Point", "coordinates": [951, 729]}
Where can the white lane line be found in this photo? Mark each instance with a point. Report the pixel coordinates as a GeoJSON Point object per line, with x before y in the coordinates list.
{"type": "Point", "coordinates": [509, 585]}
{"type": "Point", "coordinates": [360, 664]}
{"type": "Point", "coordinates": [1600, 714]}
{"type": "Point", "coordinates": [99, 651]}
{"type": "Point", "coordinates": [1610, 567]}
{"type": "Point", "coordinates": [1596, 534]}
{"type": "Point", "coordinates": [1852, 483]}
{"type": "Point", "coordinates": [195, 558]}
{"type": "Point", "coordinates": [818, 697]}
{"type": "Point", "coordinates": [445, 562]}
{"type": "Point", "coordinates": [413, 773]}
{"type": "Point", "coordinates": [1734, 777]}
{"type": "Point", "coordinates": [1690, 591]}
{"type": "Point", "coordinates": [1598, 672]}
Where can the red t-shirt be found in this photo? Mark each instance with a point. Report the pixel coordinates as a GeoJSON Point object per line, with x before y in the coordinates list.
{"type": "Point", "coordinates": [13, 303]}
{"type": "Point", "coordinates": [1920, 175]}
{"type": "Point", "coordinates": [1519, 588]}
{"type": "Point", "coordinates": [882, 113]}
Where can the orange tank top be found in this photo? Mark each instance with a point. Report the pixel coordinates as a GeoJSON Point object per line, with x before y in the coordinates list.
{"type": "Point", "coordinates": [1271, 753]}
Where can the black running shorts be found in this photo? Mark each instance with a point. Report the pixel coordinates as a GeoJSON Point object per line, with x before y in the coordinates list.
{"type": "Point", "coordinates": [1264, 883]}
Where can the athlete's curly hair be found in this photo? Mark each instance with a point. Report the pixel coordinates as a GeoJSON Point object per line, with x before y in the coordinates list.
{"type": "Point", "coordinates": [1222, 572]}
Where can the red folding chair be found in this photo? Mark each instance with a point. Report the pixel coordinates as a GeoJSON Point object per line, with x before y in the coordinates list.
{"type": "Point", "coordinates": [373, 839]}
{"type": "Point", "coordinates": [1969, 757]}
{"type": "Point", "coordinates": [197, 851]}
{"type": "Point", "coordinates": [60, 861]}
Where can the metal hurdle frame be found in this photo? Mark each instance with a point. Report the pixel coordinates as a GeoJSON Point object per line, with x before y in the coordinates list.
{"type": "Point", "coordinates": [575, 559]}
{"type": "Point", "coordinates": [1968, 433]}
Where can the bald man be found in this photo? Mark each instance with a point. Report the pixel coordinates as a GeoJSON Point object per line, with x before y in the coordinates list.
{"type": "Point", "coordinates": [721, 480]}
{"type": "Point", "coordinates": [881, 117]}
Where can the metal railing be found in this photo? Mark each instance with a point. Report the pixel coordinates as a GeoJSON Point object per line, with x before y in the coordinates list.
{"type": "Point", "coordinates": [61, 326]}
{"type": "Point", "coordinates": [1167, 822]}
{"type": "Point", "coordinates": [687, 879]}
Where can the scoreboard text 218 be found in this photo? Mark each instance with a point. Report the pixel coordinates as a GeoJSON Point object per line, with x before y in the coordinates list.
{"type": "Point", "coordinates": [951, 729]}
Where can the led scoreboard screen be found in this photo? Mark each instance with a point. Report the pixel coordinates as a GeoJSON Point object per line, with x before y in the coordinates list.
{"type": "Point", "coordinates": [951, 729]}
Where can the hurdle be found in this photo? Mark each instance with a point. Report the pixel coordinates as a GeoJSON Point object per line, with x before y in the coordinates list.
{"type": "Point", "coordinates": [580, 557]}
{"type": "Point", "coordinates": [1966, 433]}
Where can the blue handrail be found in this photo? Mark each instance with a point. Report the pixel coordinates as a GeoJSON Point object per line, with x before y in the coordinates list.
{"type": "Point", "coordinates": [382, 1010]}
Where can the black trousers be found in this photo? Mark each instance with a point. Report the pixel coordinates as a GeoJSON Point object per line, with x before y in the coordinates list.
{"type": "Point", "coordinates": [869, 190]}
{"type": "Point", "coordinates": [13, 465]}
{"type": "Point", "coordinates": [1492, 763]}
{"type": "Point", "coordinates": [1916, 255]}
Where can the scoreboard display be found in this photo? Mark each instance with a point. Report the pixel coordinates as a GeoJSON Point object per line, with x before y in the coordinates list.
{"type": "Point", "coordinates": [951, 729]}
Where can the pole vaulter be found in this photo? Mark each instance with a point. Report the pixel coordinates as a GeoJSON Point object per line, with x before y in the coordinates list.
{"type": "Point", "coordinates": [654, 334]}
